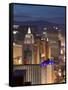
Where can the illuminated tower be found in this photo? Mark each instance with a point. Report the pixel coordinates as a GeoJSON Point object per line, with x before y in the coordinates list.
{"type": "Point", "coordinates": [46, 72]}
{"type": "Point", "coordinates": [45, 47]}
{"type": "Point", "coordinates": [35, 53]}
{"type": "Point", "coordinates": [38, 50]}
{"type": "Point", "coordinates": [29, 38]}
{"type": "Point", "coordinates": [28, 48]}
{"type": "Point", "coordinates": [59, 45]}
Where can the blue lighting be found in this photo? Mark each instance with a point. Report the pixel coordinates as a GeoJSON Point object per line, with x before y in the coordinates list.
{"type": "Point", "coordinates": [47, 62]}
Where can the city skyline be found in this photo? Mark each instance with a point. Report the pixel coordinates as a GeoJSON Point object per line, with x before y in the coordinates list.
{"type": "Point", "coordinates": [39, 44]}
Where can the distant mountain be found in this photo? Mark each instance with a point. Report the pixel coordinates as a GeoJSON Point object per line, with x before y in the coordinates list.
{"type": "Point", "coordinates": [40, 23]}
{"type": "Point", "coordinates": [57, 20]}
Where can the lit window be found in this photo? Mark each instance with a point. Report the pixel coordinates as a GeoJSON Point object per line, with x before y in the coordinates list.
{"type": "Point", "coordinates": [61, 51]}
{"type": "Point", "coordinates": [15, 32]}
{"type": "Point", "coordinates": [45, 28]}
{"type": "Point", "coordinates": [42, 55]}
{"type": "Point", "coordinates": [59, 73]}
{"type": "Point", "coordinates": [20, 61]}
{"type": "Point", "coordinates": [14, 43]}
{"type": "Point", "coordinates": [47, 40]}
{"type": "Point", "coordinates": [56, 28]}
{"type": "Point", "coordinates": [15, 26]}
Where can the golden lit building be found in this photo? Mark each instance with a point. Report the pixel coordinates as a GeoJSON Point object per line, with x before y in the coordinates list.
{"type": "Point", "coordinates": [34, 50]}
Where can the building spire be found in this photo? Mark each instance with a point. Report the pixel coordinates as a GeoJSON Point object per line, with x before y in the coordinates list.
{"type": "Point", "coordinates": [29, 31]}
{"type": "Point", "coordinates": [29, 38]}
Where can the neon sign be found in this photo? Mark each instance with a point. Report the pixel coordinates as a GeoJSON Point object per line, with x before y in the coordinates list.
{"type": "Point", "coordinates": [47, 62]}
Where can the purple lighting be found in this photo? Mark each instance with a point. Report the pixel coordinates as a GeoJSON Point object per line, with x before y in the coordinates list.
{"type": "Point", "coordinates": [47, 62]}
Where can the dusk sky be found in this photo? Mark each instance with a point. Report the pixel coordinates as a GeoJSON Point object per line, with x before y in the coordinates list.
{"type": "Point", "coordinates": [23, 13]}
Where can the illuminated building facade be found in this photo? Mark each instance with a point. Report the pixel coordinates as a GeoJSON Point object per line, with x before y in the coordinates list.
{"type": "Point", "coordinates": [36, 50]}
{"type": "Point", "coordinates": [28, 50]}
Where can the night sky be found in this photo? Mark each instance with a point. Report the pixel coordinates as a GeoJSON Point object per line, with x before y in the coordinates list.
{"type": "Point", "coordinates": [24, 13]}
